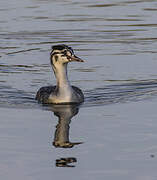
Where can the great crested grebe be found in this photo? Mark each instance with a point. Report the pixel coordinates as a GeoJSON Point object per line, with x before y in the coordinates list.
{"type": "Point", "coordinates": [63, 92]}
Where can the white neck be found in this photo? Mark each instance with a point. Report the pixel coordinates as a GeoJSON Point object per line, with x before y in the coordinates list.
{"type": "Point", "coordinates": [63, 84]}
{"type": "Point", "coordinates": [61, 75]}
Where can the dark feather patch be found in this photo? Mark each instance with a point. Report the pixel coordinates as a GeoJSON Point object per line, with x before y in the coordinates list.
{"type": "Point", "coordinates": [60, 47]}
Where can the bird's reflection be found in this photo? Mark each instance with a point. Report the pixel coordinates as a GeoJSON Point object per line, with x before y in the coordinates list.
{"type": "Point", "coordinates": [61, 136]}
{"type": "Point", "coordinates": [65, 162]}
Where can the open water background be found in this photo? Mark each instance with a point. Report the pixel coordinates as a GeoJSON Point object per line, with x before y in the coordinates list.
{"type": "Point", "coordinates": [118, 121]}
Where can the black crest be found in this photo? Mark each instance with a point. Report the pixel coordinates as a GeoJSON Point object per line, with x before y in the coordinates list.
{"type": "Point", "coordinates": [62, 47]}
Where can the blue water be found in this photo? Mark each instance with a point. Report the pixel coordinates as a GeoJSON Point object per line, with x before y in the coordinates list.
{"type": "Point", "coordinates": [112, 135]}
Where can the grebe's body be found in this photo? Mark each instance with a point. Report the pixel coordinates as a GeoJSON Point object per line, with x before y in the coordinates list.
{"type": "Point", "coordinates": [63, 92]}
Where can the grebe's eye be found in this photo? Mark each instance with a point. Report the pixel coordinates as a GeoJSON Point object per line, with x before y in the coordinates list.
{"type": "Point", "coordinates": [65, 52]}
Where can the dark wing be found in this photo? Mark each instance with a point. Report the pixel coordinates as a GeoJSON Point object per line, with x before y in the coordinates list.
{"type": "Point", "coordinates": [44, 93]}
{"type": "Point", "coordinates": [76, 89]}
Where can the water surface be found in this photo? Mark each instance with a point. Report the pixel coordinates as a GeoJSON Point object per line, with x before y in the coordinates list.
{"type": "Point", "coordinates": [115, 129]}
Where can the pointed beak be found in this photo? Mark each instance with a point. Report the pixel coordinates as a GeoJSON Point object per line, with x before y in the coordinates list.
{"type": "Point", "coordinates": [74, 58]}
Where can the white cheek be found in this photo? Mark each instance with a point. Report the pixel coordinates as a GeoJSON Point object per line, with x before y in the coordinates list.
{"type": "Point", "coordinates": [64, 60]}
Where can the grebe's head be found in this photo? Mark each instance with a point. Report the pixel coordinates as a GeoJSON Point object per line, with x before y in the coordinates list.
{"type": "Point", "coordinates": [62, 54]}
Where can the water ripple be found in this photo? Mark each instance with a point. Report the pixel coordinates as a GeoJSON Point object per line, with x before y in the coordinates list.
{"type": "Point", "coordinates": [120, 93]}
{"type": "Point", "coordinates": [14, 98]}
